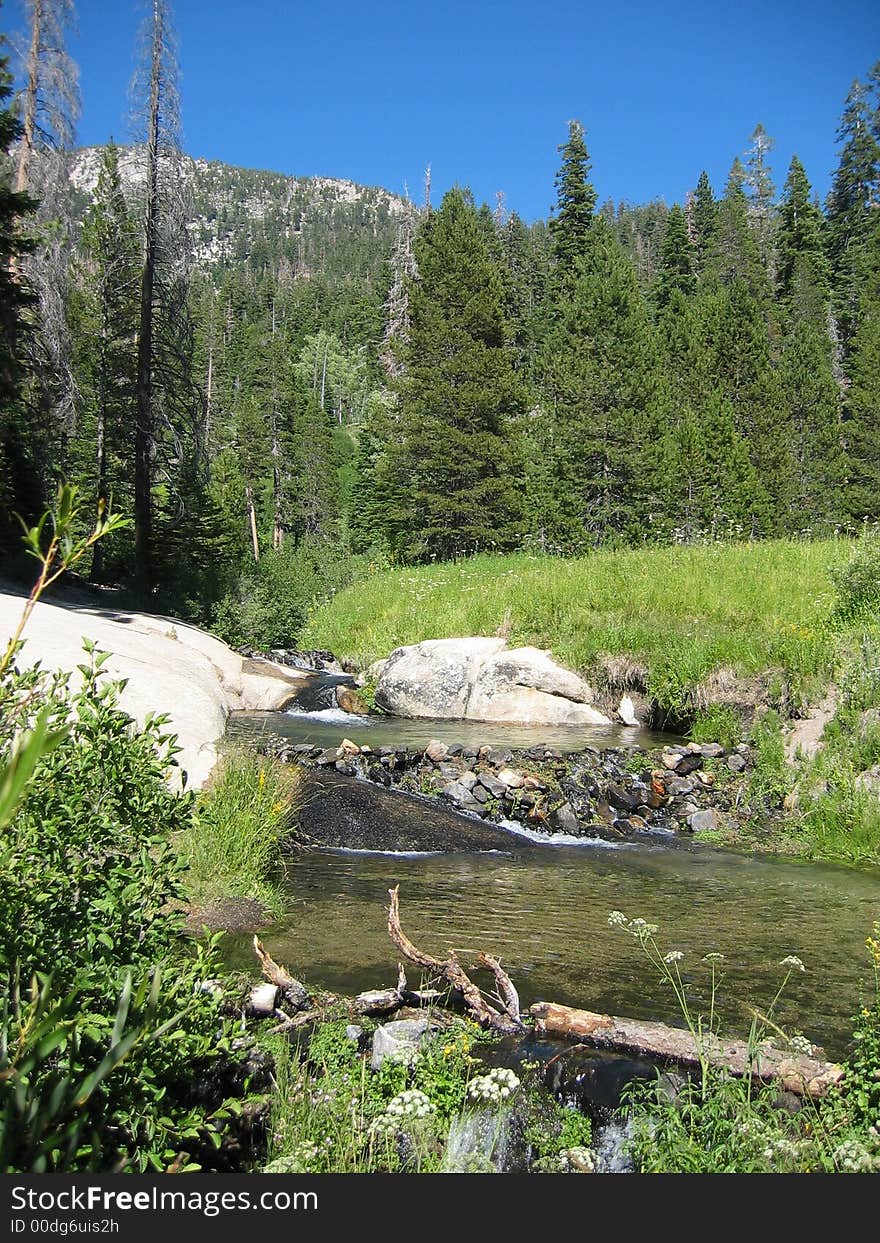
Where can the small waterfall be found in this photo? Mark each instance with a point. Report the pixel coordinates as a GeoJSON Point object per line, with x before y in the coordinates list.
{"type": "Point", "coordinates": [318, 695]}
{"type": "Point", "coordinates": [478, 1143]}
{"type": "Point", "coordinates": [610, 1146]}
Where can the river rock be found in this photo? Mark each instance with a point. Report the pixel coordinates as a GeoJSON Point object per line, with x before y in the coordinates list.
{"type": "Point", "coordinates": [511, 779]}
{"type": "Point", "coordinates": [623, 800]}
{"type": "Point", "coordinates": [713, 750]}
{"type": "Point", "coordinates": [495, 787]}
{"type": "Point", "coordinates": [736, 763]}
{"type": "Point", "coordinates": [703, 821]}
{"type": "Point", "coordinates": [689, 763]}
{"type": "Point", "coordinates": [563, 819]}
{"type": "Point", "coordinates": [463, 797]}
{"type": "Point", "coordinates": [166, 666]}
{"type": "Point", "coordinates": [263, 1000]}
{"type": "Point", "coordinates": [480, 679]}
{"type": "Point", "coordinates": [869, 781]}
{"type": "Point", "coordinates": [526, 685]}
{"type": "Point", "coordinates": [350, 701]}
{"type": "Point", "coordinates": [398, 1041]}
{"type": "Point", "coordinates": [627, 712]}
{"type": "Point", "coordinates": [433, 678]}
{"type": "Point", "coordinates": [436, 751]}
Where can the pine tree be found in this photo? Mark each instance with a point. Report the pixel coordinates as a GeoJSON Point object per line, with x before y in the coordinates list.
{"type": "Point", "coordinates": [703, 214]}
{"type": "Point", "coordinates": [104, 315]}
{"type": "Point", "coordinates": [49, 107]}
{"type": "Point", "coordinates": [809, 390]}
{"type": "Point", "coordinates": [802, 263]}
{"type": "Point", "coordinates": [709, 486]}
{"type": "Point", "coordinates": [862, 426]}
{"type": "Point", "coordinates": [20, 488]}
{"type": "Point", "coordinates": [576, 199]}
{"type": "Point", "coordinates": [677, 259]}
{"type": "Point", "coordinates": [450, 477]}
{"type": "Point", "coordinates": [735, 335]}
{"type": "Point", "coordinates": [854, 198]}
{"type": "Point", "coordinates": [169, 451]}
{"type": "Point", "coordinates": [761, 193]}
{"type": "Point", "coordinates": [50, 99]}
{"type": "Point", "coordinates": [733, 251]}
{"type": "Point", "coordinates": [604, 400]}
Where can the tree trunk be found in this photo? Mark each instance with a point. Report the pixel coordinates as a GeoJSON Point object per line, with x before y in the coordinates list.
{"type": "Point", "coordinates": [101, 473]}
{"type": "Point", "coordinates": [209, 384]}
{"type": "Point", "coordinates": [277, 528]}
{"type": "Point", "coordinates": [144, 432]}
{"type": "Point", "coordinates": [252, 521]}
{"type": "Point", "coordinates": [29, 117]}
{"type": "Point", "coordinates": [794, 1072]}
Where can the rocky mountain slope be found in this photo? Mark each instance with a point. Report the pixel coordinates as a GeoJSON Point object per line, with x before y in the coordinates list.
{"type": "Point", "coordinates": [236, 214]}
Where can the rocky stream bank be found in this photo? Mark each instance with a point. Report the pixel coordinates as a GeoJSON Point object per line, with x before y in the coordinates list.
{"type": "Point", "coordinates": [613, 793]}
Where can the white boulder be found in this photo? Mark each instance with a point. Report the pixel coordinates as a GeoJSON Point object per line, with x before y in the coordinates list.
{"type": "Point", "coordinates": [169, 667]}
{"type": "Point", "coordinates": [480, 679]}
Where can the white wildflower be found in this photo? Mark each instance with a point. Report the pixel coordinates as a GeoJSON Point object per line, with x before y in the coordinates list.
{"type": "Point", "coordinates": [494, 1087]}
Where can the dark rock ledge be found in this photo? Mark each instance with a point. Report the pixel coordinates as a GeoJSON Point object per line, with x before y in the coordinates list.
{"type": "Point", "coordinates": [614, 793]}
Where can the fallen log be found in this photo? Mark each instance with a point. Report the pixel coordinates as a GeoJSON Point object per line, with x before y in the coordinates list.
{"type": "Point", "coordinates": [485, 1012]}
{"type": "Point", "coordinates": [379, 1001]}
{"type": "Point", "coordinates": [794, 1072]}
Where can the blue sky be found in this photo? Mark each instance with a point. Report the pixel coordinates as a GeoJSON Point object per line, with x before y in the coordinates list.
{"type": "Point", "coordinates": [483, 91]}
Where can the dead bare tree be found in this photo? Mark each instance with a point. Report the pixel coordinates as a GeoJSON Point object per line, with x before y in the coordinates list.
{"type": "Point", "coordinates": [49, 104]}
{"type": "Point", "coordinates": [500, 1014]}
{"type": "Point", "coordinates": [403, 273]}
{"type": "Point", "coordinates": [49, 100]}
{"type": "Point", "coordinates": [170, 415]}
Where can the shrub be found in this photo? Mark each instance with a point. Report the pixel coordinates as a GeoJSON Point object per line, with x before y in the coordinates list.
{"type": "Point", "coordinates": [91, 909]}
{"type": "Point", "coordinates": [857, 581]}
{"type": "Point", "coordinates": [275, 596]}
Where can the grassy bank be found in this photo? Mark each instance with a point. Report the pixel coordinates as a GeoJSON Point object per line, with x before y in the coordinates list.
{"type": "Point", "coordinates": [682, 612]}
{"type": "Point", "coordinates": [231, 850]}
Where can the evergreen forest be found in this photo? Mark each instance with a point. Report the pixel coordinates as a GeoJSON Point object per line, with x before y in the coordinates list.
{"type": "Point", "coordinates": [284, 381]}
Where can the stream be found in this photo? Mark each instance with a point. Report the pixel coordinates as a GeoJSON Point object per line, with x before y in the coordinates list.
{"type": "Point", "coordinates": [543, 907]}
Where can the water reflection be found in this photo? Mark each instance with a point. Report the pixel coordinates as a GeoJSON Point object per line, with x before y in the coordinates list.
{"type": "Point", "coordinates": [546, 915]}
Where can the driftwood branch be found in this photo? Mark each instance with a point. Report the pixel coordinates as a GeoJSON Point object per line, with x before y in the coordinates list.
{"type": "Point", "coordinates": [288, 1024]}
{"type": "Point", "coordinates": [295, 993]}
{"type": "Point", "coordinates": [481, 1009]}
{"type": "Point", "coordinates": [802, 1075]}
{"type": "Point", "coordinates": [506, 991]}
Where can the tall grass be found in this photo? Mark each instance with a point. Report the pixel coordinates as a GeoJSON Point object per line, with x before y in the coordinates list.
{"type": "Point", "coordinates": [684, 612]}
{"type": "Point", "coordinates": [232, 850]}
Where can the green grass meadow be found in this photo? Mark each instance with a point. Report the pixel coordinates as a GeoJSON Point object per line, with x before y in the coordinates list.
{"type": "Point", "coordinates": [683, 612]}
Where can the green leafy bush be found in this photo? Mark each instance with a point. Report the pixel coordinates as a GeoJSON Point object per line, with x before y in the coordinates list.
{"type": "Point", "coordinates": [105, 1058]}
{"type": "Point", "coordinates": [275, 596]}
{"type": "Point", "coordinates": [857, 581]}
